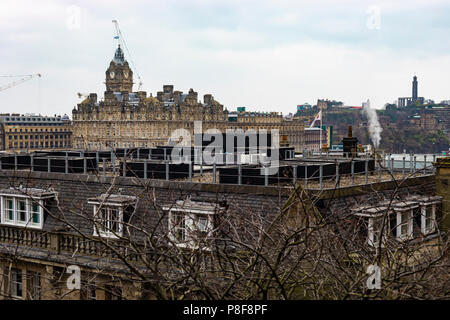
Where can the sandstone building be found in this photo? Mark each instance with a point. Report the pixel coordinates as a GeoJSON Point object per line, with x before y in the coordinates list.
{"type": "Point", "coordinates": [132, 119]}
{"type": "Point", "coordinates": [33, 132]}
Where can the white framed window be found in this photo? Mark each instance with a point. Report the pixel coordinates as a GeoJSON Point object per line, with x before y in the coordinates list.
{"type": "Point", "coordinates": [178, 226]}
{"type": "Point", "coordinates": [375, 228]}
{"type": "Point", "coordinates": [203, 223]}
{"type": "Point", "coordinates": [404, 216]}
{"type": "Point", "coordinates": [111, 212]}
{"type": "Point", "coordinates": [108, 221]}
{"type": "Point", "coordinates": [428, 219]}
{"type": "Point", "coordinates": [35, 213]}
{"type": "Point", "coordinates": [21, 211]}
{"type": "Point", "coordinates": [8, 210]}
{"type": "Point", "coordinates": [24, 207]}
{"type": "Point", "coordinates": [191, 224]}
{"type": "Point", "coordinates": [405, 224]}
{"type": "Point", "coordinates": [378, 221]}
{"type": "Point", "coordinates": [189, 229]}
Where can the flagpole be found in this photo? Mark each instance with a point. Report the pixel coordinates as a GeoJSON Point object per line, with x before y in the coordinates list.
{"type": "Point", "coordinates": [320, 143]}
{"type": "Point", "coordinates": [323, 114]}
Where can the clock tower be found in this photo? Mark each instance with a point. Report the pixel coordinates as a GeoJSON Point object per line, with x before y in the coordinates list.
{"type": "Point", "coordinates": [119, 77]}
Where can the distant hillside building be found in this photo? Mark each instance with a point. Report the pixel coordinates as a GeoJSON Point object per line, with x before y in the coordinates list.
{"type": "Point", "coordinates": [406, 101]}
{"type": "Point", "coordinates": [304, 106]}
{"type": "Point", "coordinates": [323, 104]}
{"type": "Point", "coordinates": [428, 120]}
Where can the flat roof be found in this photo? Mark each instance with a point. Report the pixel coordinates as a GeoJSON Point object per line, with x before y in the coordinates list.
{"type": "Point", "coordinates": [32, 192]}
{"type": "Point", "coordinates": [189, 204]}
{"type": "Point", "coordinates": [113, 198]}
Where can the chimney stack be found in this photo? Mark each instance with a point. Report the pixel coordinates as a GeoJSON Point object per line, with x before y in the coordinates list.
{"type": "Point", "coordinates": [350, 144]}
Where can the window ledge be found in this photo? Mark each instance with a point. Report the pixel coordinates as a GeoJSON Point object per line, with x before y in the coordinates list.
{"type": "Point", "coordinates": [22, 225]}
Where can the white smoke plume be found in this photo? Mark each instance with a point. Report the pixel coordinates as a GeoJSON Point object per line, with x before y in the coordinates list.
{"type": "Point", "coordinates": [374, 125]}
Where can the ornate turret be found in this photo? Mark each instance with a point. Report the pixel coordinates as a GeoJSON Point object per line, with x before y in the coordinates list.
{"type": "Point", "coordinates": [118, 56]}
{"type": "Point", "coordinates": [119, 77]}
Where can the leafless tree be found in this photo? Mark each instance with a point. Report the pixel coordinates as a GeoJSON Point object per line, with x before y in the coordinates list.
{"type": "Point", "coordinates": [300, 252]}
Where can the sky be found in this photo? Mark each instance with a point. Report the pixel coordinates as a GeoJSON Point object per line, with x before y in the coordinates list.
{"type": "Point", "coordinates": [265, 55]}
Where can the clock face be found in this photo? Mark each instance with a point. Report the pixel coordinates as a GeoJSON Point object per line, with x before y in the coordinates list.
{"type": "Point", "coordinates": [112, 74]}
{"type": "Point", "coordinates": [125, 74]}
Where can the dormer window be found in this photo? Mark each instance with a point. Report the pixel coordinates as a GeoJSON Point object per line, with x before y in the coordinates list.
{"type": "Point", "coordinates": [428, 219]}
{"type": "Point", "coordinates": [376, 229]}
{"type": "Point", "coordinates": [404, 213]}
{"type": "Point", "coordinates": [407, 219]}
{"type": "Point", "coordinates": [191, 223]}
{"type": "Point", "coordinates": [24, 207]}
{"type": "Point", "coordinates": [111, 213]}
{"type": "Point", "coordinates": [377, 223]}
{"type": "Point", "coordinates": [404, 221]}
{"type": "Point", "coordinates": [428, 206]}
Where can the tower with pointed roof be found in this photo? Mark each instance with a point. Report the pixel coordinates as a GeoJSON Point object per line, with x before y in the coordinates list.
{"type": "Point", "coordinates": [119, 77]}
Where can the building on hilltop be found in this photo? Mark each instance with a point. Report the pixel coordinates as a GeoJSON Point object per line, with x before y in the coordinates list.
{"type": "Point", "coordinates": [414, 99]}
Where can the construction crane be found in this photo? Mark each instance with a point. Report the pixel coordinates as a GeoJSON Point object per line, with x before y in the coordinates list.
{"type": "Point", "coordinates": [82, 95]}
{"type": "Point", "coordinates": [121, 40]}
{"type": "Point", "coordinates": [85, 95]}
{"type": "Point", "coordinates": [17, 82]}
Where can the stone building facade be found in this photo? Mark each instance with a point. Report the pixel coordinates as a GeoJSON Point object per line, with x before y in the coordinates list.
{"type": "Point", "coordinates": [49, 248]}
{"type": "Point", "coordinates": [34, 132]}
{"type": "Point", "coordinates": [65, 225]}
{"type": "Point", "coordinates": [132, 119]}
{"type": "Point", "coordinates": [313, 138]}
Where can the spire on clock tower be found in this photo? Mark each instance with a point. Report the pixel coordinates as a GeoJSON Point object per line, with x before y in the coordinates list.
{"type": "Point", "coordinates": [118, 56]}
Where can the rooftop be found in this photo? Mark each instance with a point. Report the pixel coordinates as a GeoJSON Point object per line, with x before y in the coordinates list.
{"type": "Point", "coordinates": [32, 119]}
{"type": "Point", "coordinates": [33, 192]}
{"type": "Point", "coordinates": [113, 198]}
{"type": "Point", "coordinates": [329, 171]}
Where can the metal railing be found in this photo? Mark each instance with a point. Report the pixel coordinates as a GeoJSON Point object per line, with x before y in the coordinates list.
{"type": "Point", "coordinates": [313, 172]}
{"type": "Point", "coordinates": [378, 174]}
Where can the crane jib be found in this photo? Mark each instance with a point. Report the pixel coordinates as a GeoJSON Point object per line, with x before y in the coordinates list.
{"type": "Point", "coordinates": [17, 82]}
